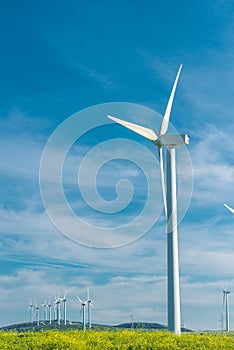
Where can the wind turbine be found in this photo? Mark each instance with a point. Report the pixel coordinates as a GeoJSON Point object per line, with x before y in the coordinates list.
{"type": "Point", "coordinates": [82, 309]}
{"type": "Point", "coordinates": [90, 305]}
{"type": "Point", "coordinates": [55, 309]}
{"type": "Point", "coordinates": [59, 310]}
{"type": "Point", "coordinates": [225, 301]}
{"type": "Point", "coordinates": [49, 307]}
{"type": "Point", "coordinates": [169, 142]}
{"type": "Point", "coordinates": [37, 310]}
{"type": "Point", "coordinates": [30, 308]}
{"type": "Point", "coordinates": [229, 208]}
{"type": "Point", "coordinates": [57, 303]}
{"type": "Point", "coordinates": [64, 300]}
{"type": "Point", "coordinates": [45, 310]}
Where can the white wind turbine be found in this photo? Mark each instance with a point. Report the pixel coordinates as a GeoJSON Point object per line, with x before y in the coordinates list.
{"type": "Point", "coordinates": [225, 301]}
{"type": "Point", "coordinates": [55, 309]}
{"type": "Point", "coordinates": [49, 307]}
{"type": "Point", "coordinates": [82, 309]}
{"type": "Point", "coordinates": [90, 305]}
{"type": "Point", "coordinates": [57, 303]}
{"type": "Point", "coordinates": [64, 300]}
{"type": "Point", "coordinates": [45, 310]}
{"type": "Point", "coordinates": [30, 308]}
{"type": "Point", "coordinates": [169, 142]}
{"type": "Point", "coordinates": [229, 208]}
{"type": "Point", "coordinates": [37, 312]}
{"type": "Point", "coordinates": [59, 310]}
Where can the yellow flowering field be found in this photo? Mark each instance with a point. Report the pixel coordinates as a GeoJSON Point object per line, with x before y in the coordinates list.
{"type": "Point", "coordinates": [108, 340]}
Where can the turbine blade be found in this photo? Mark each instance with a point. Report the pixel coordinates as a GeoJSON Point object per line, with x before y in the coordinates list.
{"type": "Point", "coordinates": [88, 294]}
{"type": "Point", "coordinates": [229, 208]}
{"type": "Point", "coordinates": [79, 299]}
{"type": "Point", "coordinates": [141, 130]}
{"type": "Point", "coordinates": [160, 152]}
{"type": "Point", "coordinates": [166, 118]}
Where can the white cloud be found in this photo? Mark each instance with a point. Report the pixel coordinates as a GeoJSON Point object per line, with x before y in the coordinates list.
{"type": "Point", "coordinates": [213, 166]}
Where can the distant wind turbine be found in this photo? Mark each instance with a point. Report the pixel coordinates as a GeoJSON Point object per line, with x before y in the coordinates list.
{"type": "Point", "coordinates": [90, 305]}
{"type": "Point", "coordinates": [59, 310]}
{"type": "Point", "coordinates": [64, 300]}
{"type": "Point", "coordinates": [82, 309]}
{"type": "Point", "coordinates": [45, 310]}
{"type": "Point", "coordinates": [37, 313]}
{"type": "Point", "coordinates": [57, 303]}
{"type": "Point", "coordinates": [55, 308]}
{"type": "Point", "coordinates": [229, 208]}
{"type": "Point", "coordinates": [49, 307]}
{"type": "Point", "coordinates": [169, 142]}
{"type": "Point", "coordinates": [31, 312]}
{"type": "Point", "coordinates": [225, 302]}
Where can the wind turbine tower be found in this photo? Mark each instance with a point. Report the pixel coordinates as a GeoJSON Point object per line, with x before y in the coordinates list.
{"type": "Point", "coordinates": [90, 305]}
{"type": "Point", "coordinates": [57, 305]}
{"type": "Point", "coordinates": [59, 310]}
{"type": "Point", "coordinates": [31, 311]}
{"type": "Point", "coordinates": [45, 310]}
{"type": "Point", "coordinates": [37, 312]}
{"type": "Point", "coordinates": [225, 301]}
{"type": "Point", "coordinates": [49, 307]}
{"type": "Point", "coordinates": [82, 306]}
{"type": "Point", "coordinates": [55, 308]}
{"type": "Point", "coordinates": [64, 300]}
{"type": "Point", "coordinates": [169, 143]}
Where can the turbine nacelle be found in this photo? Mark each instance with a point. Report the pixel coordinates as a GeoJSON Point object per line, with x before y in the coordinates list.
{"type": "Point", "coordinates": [64, 297]}
{"type": "Point", "coordinates": [172, 140]}
{"type": "Point", "coordinates": [82, 303]}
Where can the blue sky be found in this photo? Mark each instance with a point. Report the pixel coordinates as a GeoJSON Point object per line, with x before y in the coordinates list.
{"type": "Point", "coordinates": [58, 58]}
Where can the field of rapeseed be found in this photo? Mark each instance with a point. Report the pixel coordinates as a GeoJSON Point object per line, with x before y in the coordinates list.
{"type": "Point", "coordinates": [110, 340]}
